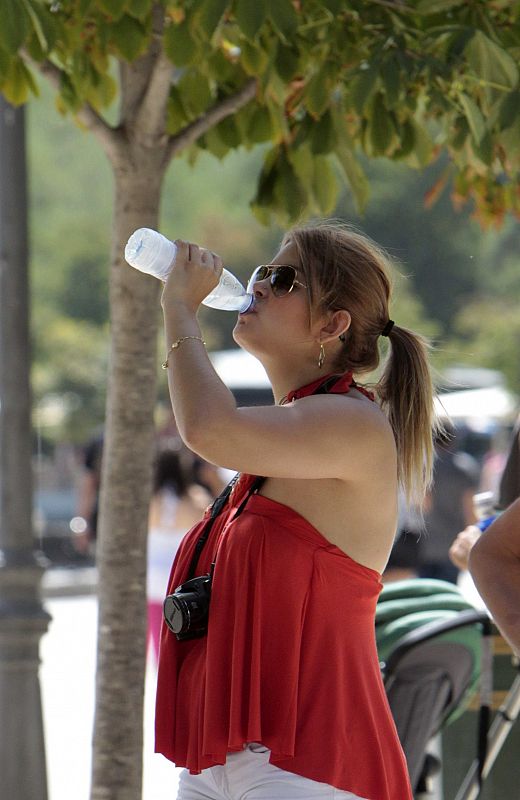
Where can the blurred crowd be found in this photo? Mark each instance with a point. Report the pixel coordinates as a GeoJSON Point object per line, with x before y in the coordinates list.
{"type": "Point", "coordinates": [434, 541]}
{"type": "Point", "coordinates": [183, 485]}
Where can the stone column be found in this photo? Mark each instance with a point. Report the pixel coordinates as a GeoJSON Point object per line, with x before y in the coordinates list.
{"type": "Point", "coordinates": [22, 618]}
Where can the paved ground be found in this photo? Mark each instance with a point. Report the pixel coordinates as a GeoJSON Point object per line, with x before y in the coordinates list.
{"type": "Point", "coordinates": [67, 679]}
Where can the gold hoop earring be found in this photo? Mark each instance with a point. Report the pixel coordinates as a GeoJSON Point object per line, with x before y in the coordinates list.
{"type": "Point", "coordinates": [321, 357]}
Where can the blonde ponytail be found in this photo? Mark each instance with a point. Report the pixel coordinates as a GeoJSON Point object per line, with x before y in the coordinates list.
{"type": "Point", "coordinates": [406, 393]}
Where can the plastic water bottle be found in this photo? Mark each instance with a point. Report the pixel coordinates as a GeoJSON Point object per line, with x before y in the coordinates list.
{"type": "Point", "coordinates": [483, 524]}
{"type": "Point", "coordinates": [484, 507]}
{"type": "Point", "coordinates": [151, 252]}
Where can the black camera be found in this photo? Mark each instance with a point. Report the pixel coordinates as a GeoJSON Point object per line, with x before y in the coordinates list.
{"type": "Point", "coordinates": [186, 610]}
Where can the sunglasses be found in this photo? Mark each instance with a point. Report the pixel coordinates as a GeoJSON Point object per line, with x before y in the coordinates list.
{"type": "Point", "coordinates": [282, 278]}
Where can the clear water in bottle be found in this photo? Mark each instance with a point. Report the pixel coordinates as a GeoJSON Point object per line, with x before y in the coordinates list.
{"type": "Point", "coordinates": [151, 252]}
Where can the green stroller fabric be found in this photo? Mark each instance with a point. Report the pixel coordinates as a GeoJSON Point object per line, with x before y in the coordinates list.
{"type": "Point", "coordinates": [406, 606]}
{"type": "Point", "coordinates": [430, 642]}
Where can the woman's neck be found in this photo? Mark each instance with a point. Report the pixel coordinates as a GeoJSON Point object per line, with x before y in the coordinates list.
{"type": "Point", "coordinates": [287, 380]}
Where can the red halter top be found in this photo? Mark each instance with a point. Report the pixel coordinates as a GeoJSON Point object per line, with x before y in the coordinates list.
{"type": "Point", "coordinates": [289, 659]}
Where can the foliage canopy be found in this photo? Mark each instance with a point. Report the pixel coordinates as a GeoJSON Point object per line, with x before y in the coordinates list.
{"type": "Point", "coordinates": [402, 80]}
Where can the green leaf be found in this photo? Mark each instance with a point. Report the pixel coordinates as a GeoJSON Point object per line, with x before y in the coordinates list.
{"type": "Point", "coordinates": [214, 143]}
{"type": "Point", "coordinates": [264, 196]}
{"type": "Point", "coordinates": [324, 137]}
{"type": "Point", "coordinates": [45, 30]}
{"type": "Point", "coordinates": [39, 24]}
{"type": "Point", "coordinates": [82, 73]}
{"type": "Point", "coordinates": [423, 147]}
{"type": "Point", "coordinates": [381, 128]}
{"type": "Point", "coordinates": [217, 66]}
{"type": "Point", "coordinates": [250, 15]}
{"type": "Point", "coordinates": [275, 88]}
{"type": "Point", "coordinates": [317, 94]}
{"type": "Point", "coordinates": [179, 44]}
{"type": "Point", "coordinates": [334, 5]}
{"type": "Point", "coordinates": [283, 16]}
{"type": "Point", "coordinates": [114, 8]}
{"type": "Point", "coordinates": [18, 84]}
{"type": "Point", "coordinates": [5, 61]}
{"type": "Point", "coordinates": [289, 194]}
{"type": "Point", "coordinates": [129, 37]}
{"type": "Point", "coordinates": [474, 116]}
{"type": "Point", "coordinates": [229, 132]}
{"type": "Point", "coordinates": [208, 15]}
{"type": "Point", "coordinates": [304, 131]}
{"type": "Point", "coordinates": [361, 88]}
{"type": "Point", "coordinates": [34, 48]}
{"type": "Point", "coordinates": [138, 8]}
{"type": "Point", "coordinates": [510, 137]}
{"type": "Point", "coordinates": [177, 116]}
{"type": "Point", "coordinates": [68, 94]}
{"type": "Point", "coordinates": [407, 140]}
{"type": "Point", "coordinates": [287, 63]}
{"type": "Point", "coordinates": [303, 161]}
{"type": "Point", "coordinates": [14, 26]}
{"type": "Point", "coordinates": [437, 6]}
{"type": "Point", "coordinates": [355, 175]}
{"type": "Point", "coordinates": [391, 80]}
{"type": "Point", "coordinates": [460, 133]}
{"type": "Point", "coordinates": [491, 62]}
{"type": "Point", "coordinates": [195, 92]}
{"type": "Point", "coordinates": [279, 121]}
{"type": "Point", "coordinates": [509, 110]}
{"type": "Point", "coordinates": [103, 93]}
{"type": "Point", "coordinates": [253, 59]}
{"type": "Point", "coordinates": [324, 185]}
{"type": "Point", "coordinates": [260, 128]}
{"type": "Point", "coordinates": [484, 149]}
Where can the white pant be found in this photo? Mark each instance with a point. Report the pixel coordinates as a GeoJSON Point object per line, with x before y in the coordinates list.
{"type": "Point", "coordinates": [248, 775]}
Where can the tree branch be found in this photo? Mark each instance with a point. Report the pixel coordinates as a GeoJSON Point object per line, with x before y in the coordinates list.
{"type": "Point", "coordinates": [145, 87]}
{"type": "Point", "coordinates": [213, 116]}
{"type": "Point", "coordinates": [151, 117]}
{"type": "Point", "coordinates": [107, 136]}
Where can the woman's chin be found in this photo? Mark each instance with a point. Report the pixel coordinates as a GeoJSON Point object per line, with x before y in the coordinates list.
{"type": "Point", "coordinates": [240, 333]}
{"type": "Point", "coordinates": [245, 339]}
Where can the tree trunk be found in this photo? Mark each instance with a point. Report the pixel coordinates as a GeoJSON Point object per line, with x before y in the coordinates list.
{"type": "Point", "coordinates": [139, 150]}
{"type": "Point", "coordinates": [128, 452]}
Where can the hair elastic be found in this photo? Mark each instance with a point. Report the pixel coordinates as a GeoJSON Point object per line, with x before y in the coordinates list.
{"type": "Point", "coordinates": [388, 327]}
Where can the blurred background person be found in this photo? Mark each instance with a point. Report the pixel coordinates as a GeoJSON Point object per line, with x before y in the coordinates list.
{"type": "Point", "coordinates": [177, 504]}
{"type": "Point", "coordinates": [508, 492]}
{"type": "Point", "coordinates": [403, 563]}
{"type": "Point", "coordinates": [448, 506]}
{"type": "Point", "coordinates": [210, 476]}
{"type": "Point", "coordinates": [87, 507]}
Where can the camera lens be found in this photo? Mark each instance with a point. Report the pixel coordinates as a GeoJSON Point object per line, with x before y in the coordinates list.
{"type": "Point", "coordinates": [175, 615]}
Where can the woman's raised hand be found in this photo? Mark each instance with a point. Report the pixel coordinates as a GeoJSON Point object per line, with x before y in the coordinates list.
{"type": "Point", "coordinates": [195, 273]}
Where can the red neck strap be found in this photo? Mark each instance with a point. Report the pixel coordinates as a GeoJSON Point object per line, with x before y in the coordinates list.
{"type": "Point", "coordinates": [330, 384]}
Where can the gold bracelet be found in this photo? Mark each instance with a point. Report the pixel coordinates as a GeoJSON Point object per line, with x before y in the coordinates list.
{"type": "Point", "coordinates": [177, 344]}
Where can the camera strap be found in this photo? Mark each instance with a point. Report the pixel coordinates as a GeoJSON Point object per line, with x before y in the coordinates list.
{"type": "Point", "coordinates": [216, 508]}
{"type": "Point", "coordinates": [330, 384]}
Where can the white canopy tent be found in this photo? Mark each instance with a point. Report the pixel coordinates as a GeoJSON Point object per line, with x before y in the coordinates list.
{"type": "Point", "coordinates": [480, 408]}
